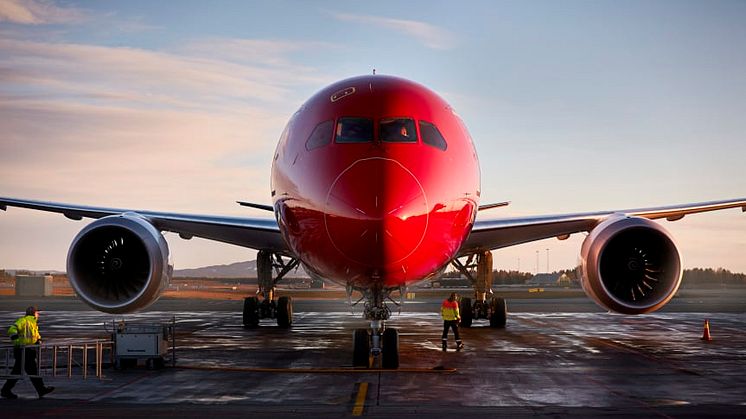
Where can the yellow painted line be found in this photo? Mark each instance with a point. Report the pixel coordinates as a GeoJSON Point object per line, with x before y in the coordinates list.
{"type": "Point", "coordinates": [320, 370]}
{"type": "Point", "coordinates": [360, 400]}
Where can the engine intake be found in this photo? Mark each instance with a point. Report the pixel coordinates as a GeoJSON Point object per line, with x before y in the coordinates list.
{"type": "Point", "coordinates": [630, 265]}
{"type": "Point", "coordinates": [119, 264]}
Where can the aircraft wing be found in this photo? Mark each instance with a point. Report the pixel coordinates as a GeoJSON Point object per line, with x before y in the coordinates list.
{"type": "Point", "coordinates": [497, 233]}
{"type": "Point", "coordinates": [255, 233]}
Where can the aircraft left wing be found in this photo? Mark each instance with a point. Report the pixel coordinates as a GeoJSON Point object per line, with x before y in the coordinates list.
{"type": "Point", "coordinates": [498, 233]}
{"type": "Point", "coordinates": [255, 233]}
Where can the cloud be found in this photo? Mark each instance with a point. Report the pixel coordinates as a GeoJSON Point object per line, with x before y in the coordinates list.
{"type": "Point", "coordinates": [190, 129]}
{"type": "Point", "coordinates": [118, 155]}
{"type": "Point", "coordinates": [268, 52]}
{"type": "Point", "coordinates": [38, 12]}
{"type": "Point", "coordinates": [429, 35]}
{"type": "Point", "coordinates": [63, 71]}
{"type": "Point", "coordinates": [175, 130]}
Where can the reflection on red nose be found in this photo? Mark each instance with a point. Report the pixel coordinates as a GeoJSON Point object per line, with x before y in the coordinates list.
{"type": "Point", "coordinates": [376, 212]}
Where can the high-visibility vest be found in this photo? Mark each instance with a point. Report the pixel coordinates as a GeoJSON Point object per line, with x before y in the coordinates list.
{"type": "Point", "coordinates": [449, 310]}
{"type": "Point", "coordinates": [26, 329]}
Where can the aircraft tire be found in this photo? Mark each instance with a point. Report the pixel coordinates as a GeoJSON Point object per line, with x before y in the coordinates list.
{"type": "Point", "coordinates": [390, 355]}
{"type": "Point", "coordinates": [467, 312]}
{"type": "Point", "coordinates": [251, 312]}
{"type": "Point", "coordinates": [284, 312]}
{"type": "Point", "coordinates": [361, 348]}
{"type": "Point", "coordinates": [499, 315]}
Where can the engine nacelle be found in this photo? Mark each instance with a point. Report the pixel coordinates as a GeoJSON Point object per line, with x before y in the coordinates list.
{"type": "Point", "coordinates": [119, 264]}
{"type": "Point", "coordinates": [630, 265]}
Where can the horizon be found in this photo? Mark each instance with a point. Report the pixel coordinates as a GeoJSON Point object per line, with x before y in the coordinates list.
{"type": "Point", "coordinates": [572, 106]}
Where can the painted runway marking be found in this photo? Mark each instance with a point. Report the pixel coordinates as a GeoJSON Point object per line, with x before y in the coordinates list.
{"type": "Point", "coordinates": [362, 392]}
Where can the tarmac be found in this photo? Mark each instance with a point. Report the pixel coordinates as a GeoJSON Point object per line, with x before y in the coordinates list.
{"type": "Point", "coordinates": [582, 362]}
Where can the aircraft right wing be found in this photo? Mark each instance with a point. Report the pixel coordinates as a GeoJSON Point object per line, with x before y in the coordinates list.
{"type": "Point", "coordinates": [255, 233]}
{"type": "Point", "coordinates": [504, 232]}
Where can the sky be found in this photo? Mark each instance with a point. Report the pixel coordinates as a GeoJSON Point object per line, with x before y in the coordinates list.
{"type": "Point", "coordinates": [177, 106]}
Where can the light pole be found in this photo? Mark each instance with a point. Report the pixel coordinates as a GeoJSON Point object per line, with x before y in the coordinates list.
{"type": "Point", "coordinates": [537, 262]}
{"type": "Point", "coordinates": [548, 261]}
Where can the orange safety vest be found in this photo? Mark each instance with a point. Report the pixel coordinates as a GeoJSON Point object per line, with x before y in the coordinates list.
{"type": "Point", "coordinates": [449, 310]}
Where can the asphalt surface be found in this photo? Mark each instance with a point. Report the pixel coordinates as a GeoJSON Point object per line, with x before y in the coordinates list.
{"type": "Point", "coordinates": [557, 357]}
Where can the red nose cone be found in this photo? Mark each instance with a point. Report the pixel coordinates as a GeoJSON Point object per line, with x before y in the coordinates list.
{"type": "Point", "coordinates": [376, 212]}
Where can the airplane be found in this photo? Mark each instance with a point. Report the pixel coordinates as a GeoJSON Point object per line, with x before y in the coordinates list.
{"type": "Point", "coordinates": [375, 185]}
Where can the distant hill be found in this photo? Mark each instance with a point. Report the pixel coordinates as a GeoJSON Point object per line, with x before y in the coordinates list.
{"type": "Point", "coordinates": [14, 272]}
{"type": "Point", "coordinates": [234, 270]}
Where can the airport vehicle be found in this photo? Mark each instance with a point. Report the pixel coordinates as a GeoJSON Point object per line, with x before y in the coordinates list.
{"type": "Point", "coordinates": [375, 184]}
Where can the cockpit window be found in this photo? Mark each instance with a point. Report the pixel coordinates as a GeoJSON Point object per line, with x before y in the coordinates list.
{"type": "Point", "coordinates": [398, 130]}
{"type": "Point", "coordinates": [354, 130]}
{"type": "Point", "coordinates": [321, 135]}
{"type": "Point", "coordinates": [431, 136]}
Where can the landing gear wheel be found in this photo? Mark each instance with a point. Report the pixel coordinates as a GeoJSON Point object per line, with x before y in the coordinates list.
{"type": "Point", "coordinates": [467, 313]}
{"type": "Point", "coordinates": [251, 312]}
{"type": "Point", "coordinates": [499, 315]}
{"type": "Point", "coordinates": [361, 348]}
{"type": "Point", "coordinates": [284, 312]}
{"type": "Point", "coordinates": [390, 356]}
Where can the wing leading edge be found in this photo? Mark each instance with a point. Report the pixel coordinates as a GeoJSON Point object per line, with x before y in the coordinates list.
{"type": "Point", "coordinates": [498, 233]}
{"type": "Point", "coordinates": [264, 233]}
{"type": "Point", "coordinates": [255, 233]}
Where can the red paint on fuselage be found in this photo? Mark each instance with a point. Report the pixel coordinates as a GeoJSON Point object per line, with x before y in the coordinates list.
{"type": "Point", "coordinates": [375, 213]}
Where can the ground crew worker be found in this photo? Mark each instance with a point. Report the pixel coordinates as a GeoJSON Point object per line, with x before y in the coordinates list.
{"type": "Point", "coordinates": [25, 332]}
{"type": "Point", "coordinates": [451, 318]}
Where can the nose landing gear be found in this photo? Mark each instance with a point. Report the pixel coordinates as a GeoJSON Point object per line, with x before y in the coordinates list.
{"type": "Point", "coordinates": [377, 344]}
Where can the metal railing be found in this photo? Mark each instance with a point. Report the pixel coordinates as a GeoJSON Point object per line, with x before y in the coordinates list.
{"type": "Point", "coordinates": [75, 357]}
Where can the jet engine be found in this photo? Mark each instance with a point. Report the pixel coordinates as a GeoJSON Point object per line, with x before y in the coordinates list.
{"type": "Point", "coordinates": [630, 265]}
{"type": "Point", "coordinates": [119, 264]}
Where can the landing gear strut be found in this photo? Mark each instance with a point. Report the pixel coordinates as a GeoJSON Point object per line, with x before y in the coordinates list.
{"type": "Point", "coordinates": [492, 308]}
{"type": "Point", "coordinates": [264, 305]}
{"type": "Point", "coordinates": [377, 342]}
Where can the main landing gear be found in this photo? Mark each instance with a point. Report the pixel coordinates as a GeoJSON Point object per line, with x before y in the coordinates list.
{"type": "Point", "coordinates": [495, 308]}
{"type": "Point", "coordinates": [264, 305]}
{"type": "Point", "coordinates": [378, 343]}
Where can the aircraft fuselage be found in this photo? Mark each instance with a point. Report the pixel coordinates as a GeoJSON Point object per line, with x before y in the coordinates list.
{"type": "Point", "coordinates": [375, 182]}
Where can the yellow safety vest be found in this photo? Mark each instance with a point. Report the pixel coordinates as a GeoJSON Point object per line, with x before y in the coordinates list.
{"type": "Point", "coordinates": [27, 331]}
{"type": "Point", "coordinates": [449, 310]}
